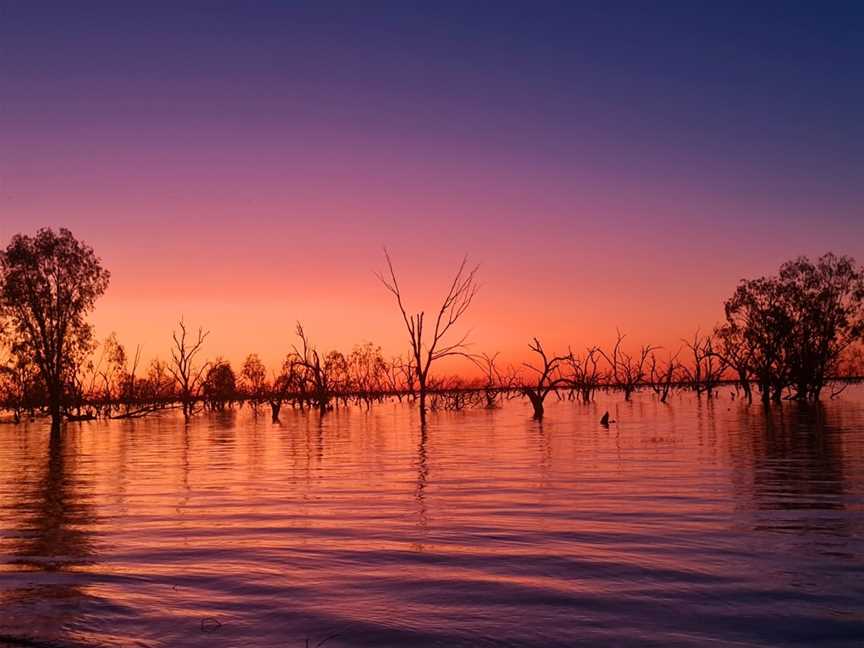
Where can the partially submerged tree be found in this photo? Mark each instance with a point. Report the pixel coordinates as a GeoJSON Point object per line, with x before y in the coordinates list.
{"type": "Point", "coordinates": [398, 378]}
{"type": "Point", "coordinates": [187, 376]}
{"type": "Point", "coordinates": [48, 284]}
{"type": "Point", "coordinates": [627, 371]}
{"type": "Point", "coordinates": [795, 326]}
{"type": "Point", "coordinates": [21, 389]}
{"type": "Point", "coordinates": [707, 365]}
{"type": "Point", "coordinates": [285, 383]}
{"type": "Point", "coordinates": [426, 347]}
{"type": "Point", "coordinates": [585, 375]}
{"type": "Point", "coordinates": [758, 311]}
{"type": "Point", "coordinates": [737, 355]}
{"type": "Point", "coordinates": [253, 380]}
{"type": "Point", "coordinates": [220, 386]}
{"type": "Point", "coordinates": [494, 381]}
{"type": "Point", "coordinates": [156, 390]}
{"type": "Point", "coordinates": [367, 373]}
{"type": "Point", "coordinates": [664, 376]}
{"type": "Point", "coordinates": [826, 304]}
{"type": "Point", "coordinates": [547, 379]}
{"type": "Point", "coordinates": [313, 373]}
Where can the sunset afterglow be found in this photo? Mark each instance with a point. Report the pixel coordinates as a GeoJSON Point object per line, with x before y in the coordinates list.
{"type": "Point", "coordinates": [245, 168]}
{"type": "Point", "coordinates": [392, 324]}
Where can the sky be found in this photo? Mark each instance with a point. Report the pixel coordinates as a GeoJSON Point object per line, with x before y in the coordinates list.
{"type": "Point", "coordinates": [607, 164]}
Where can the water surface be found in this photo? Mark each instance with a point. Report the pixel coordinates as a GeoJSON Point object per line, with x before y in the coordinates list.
{"type": "Point", "coordinates": [692, 524]}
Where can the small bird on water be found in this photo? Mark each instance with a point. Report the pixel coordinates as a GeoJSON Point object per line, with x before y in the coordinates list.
{"type": "Point", "coordinates": [605, 420]}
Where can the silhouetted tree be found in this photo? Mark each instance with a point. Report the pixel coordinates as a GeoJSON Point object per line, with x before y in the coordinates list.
{"type": "Point", "coordinates": [220, 385]}
{"type": "Point", "coordinates": [128, 385]}
{"type": "Point", "coordinates": [48, 284]}
{"type": "Point", "coordinates": [826, 305]}
{"type": "Point", "coordinates": [21, 388]}
{"type": "Point", "coordinates": [108, 371]}
{"type": "Point", "coordinates": [663, 377]}
{"type": "Point", "coordinates": [313, 372]}
{"type": "Point", "coordinates": [494, 381]}
{"type": "Point", "coordinates": [758, 311]}
{"type": "Point", "coordinates": [584, 373]}
{"type": "Point", "coordinates": [627, 372]}
{"type": "Point", "coordinates": [850, 369]}
{"type": "Point", "coordinates": [340, 382]}
{"type": "Point", "coordinates": [796, 325]}
{"type": "Point", "coordinates": [708, 365]}
{"type": "Point", "coordinates": [187, 377]}
{"type": "Point", "coordinates": [157, 387]}
{"type": "Point", "coordinates": [426, 349]}
{"type": "Point", "coordinates": [737, 354]}
{"type": "Point", "coordinates": [253, 376]}
{"type": "Point", "coordinates": [286, 382]}
{"type": "Point", "coordinates": [547, 378]}
{"type": "Point", "coordinates": [408, 373]}
{"type": "Point", "coordinates": [367, 372]}
{"type": "Point", "coordinates": [395, 377]}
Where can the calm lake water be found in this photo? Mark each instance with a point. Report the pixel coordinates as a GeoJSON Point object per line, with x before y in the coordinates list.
{"type": "Point", "coordinates": [691, 524]}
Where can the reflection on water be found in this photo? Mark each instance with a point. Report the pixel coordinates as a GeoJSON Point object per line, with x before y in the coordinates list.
{"type": "Point", "coordinates": [684, 524]}
{"type": "Point", "coordinates": [50, 518]}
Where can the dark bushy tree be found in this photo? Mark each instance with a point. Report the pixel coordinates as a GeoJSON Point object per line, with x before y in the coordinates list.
{"type": "Point", "coordinates": [220, 385]}
{"type": "Point", "coordinates": [796, 326]}
{"type": "Point", "coordinates": [48, 284]}
{"type": "Point", "coordinates": [826, 302]}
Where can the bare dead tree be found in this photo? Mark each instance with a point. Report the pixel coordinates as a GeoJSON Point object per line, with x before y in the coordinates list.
{"type": "Point", "coordinates": [708, 365]}
{"type": "Point", "coordinates": [663, 377]}
{"type": "Point", "coordinates": [495, 382]}
{"type": "Point", "coordinates": [395, 377]}
{"type": "Point", "coordinates": [548, 377]}
{"type": "Point", "coordinates": [694, 374]}
{"type": "Point", "coordinates": [129, 396]}
{"type": "Point", "coordinates": [187, 377]}
{"type": "Point", "coordinates": [426, 349]}
{"type": "Point", "coordinates": [736, 354]}
{"type": "Point", "coordinates": [454, 393]}
{"type": "Point", "coordinates": [157, 387]}
{"type": "Point", "coordinates": [313, 371]}
{"type": "Point", "coordinates": [585, 375]}
{"type": "Point", "coordinates": [408, 373]}
{"type": "Point", "coordinates": [627, 371]}
{"type": "Point", "coordinates": [284, 384]}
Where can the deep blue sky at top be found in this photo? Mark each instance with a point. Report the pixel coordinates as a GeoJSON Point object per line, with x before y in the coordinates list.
{"type": "Point", "coordinates": [779, 85]}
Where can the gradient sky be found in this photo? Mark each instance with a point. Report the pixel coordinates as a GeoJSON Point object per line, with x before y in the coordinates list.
{"type": "Point", "coordinates": [608, 164]}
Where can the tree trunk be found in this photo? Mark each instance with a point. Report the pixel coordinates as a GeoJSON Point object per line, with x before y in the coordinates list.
{"type": "Point", "coordinates": [778, 393]}
{"type": "Point", "coordinates": [422, 390]}
{"type": "Point", "coordinates": [55, 409]}
{"type": "Point", "coordinates": [745, 385]}
{"type": "Point", "coordinates": [537, 403]}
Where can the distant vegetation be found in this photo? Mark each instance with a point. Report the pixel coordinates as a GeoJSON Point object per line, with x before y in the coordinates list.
{"type": "Point", "coordinates": [792, 335]}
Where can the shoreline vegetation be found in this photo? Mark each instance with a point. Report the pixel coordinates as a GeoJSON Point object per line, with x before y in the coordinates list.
{"type": "Point", "coordinates": [796, 335]}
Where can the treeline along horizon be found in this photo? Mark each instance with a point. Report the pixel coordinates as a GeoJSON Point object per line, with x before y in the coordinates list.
{"type": "Point", "coordinates": [789, 335]}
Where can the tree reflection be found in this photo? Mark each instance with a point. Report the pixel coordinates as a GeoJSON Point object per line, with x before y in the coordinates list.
{"type": "Point", "coordinates": [797, 465]}
{"type": "Point", "coordinates": [54, 538]}
{"type": "Point", "coordinates": [420, 488]}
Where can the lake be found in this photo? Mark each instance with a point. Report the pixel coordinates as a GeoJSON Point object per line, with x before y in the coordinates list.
{"type": "Point", "coordinates": [688, 524]}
